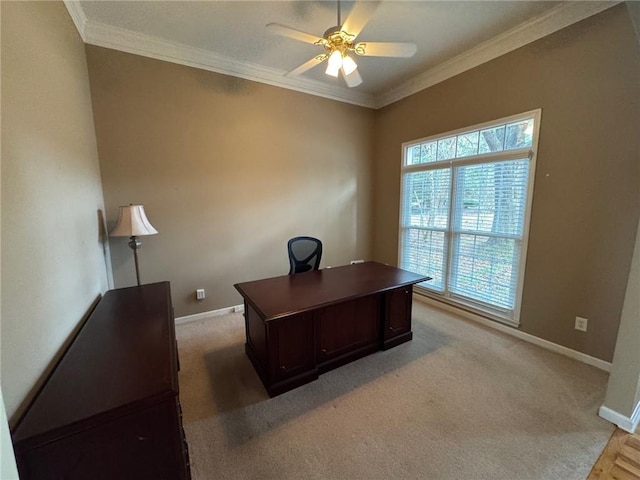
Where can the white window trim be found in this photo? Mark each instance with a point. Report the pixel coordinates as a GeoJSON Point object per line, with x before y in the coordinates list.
{"type": "Point", "coordinates": [492, 312]}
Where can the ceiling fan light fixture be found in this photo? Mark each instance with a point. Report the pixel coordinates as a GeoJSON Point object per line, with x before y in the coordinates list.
{"type": "Point", "coordinates": [348, 65]}
{"type": "Point", "coordinates": [334, 63]}
{"type": "Point", "coordinates": [339, 44]}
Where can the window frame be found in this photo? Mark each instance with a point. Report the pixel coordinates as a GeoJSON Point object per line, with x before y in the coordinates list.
{"type": "Point", "coordinates": [510, 317]}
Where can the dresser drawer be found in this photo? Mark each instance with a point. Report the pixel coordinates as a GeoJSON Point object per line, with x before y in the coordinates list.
{"type": "Point", "coordinates": [146, 445]}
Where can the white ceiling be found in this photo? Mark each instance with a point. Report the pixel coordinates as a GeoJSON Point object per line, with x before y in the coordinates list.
{"type": "Point", "coordinates": [230, 37]}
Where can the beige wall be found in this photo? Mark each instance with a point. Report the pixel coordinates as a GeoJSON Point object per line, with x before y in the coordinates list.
{"type": "Point", "coordinates": [586, 197]}
{"type": "Point", "coordinates": [634, 13]}
{"type": "Point", "coordinates": [623, 390]}
{"type": "Point", "coordinates": [53, 262]}
{"type": "Point", "coordinates": [228, 170]}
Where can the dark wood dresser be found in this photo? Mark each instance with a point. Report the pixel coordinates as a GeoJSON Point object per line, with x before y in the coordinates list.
{"type": "Point", "coordinates": [110, 409]}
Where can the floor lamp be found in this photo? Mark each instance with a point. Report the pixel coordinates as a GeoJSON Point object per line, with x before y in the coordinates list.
{"type": "Point", "coordinates": [133, 223]}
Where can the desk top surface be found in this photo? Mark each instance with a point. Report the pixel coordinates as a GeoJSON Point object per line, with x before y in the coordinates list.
{"type": "Point", "coordinates": [291, 294]}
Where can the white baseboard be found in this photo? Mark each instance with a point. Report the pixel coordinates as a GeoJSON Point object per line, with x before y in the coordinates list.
{"type": "Point", "coordinates": [554, 347]}
{"type": "Point", "coordinates": [211, 313]}
{"type": "Point", "coordinates": [629, 424]}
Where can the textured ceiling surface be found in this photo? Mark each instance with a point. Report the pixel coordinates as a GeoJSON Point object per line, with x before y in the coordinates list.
{"type": "Point", "coordinates": [236, 30]}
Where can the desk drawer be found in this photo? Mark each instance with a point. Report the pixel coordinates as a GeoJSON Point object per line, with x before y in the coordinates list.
{"type": "Point", "coordinates": [397, 316]}
{"type": "Point", "coordinates": [290, 346]}
{"type": "Point", "coordinates": [347, 327]}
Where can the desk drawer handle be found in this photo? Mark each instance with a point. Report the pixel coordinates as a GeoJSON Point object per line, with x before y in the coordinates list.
{"type": "Point", "coordinates": [324, 350]}
{"type": "Point", "coordinates": [282, 367]}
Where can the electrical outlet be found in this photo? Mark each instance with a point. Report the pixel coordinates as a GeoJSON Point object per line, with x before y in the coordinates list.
{"type": "Point", "coordinates": [200, 294]}
{"type": "Point", "coordinates": [581, 324]}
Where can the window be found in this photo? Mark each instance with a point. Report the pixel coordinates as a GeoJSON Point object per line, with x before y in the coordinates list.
{"type": "Point", "coordinates": [464, 212]}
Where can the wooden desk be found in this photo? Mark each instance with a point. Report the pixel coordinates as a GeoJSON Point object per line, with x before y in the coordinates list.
{"type": "Point", "coordinates": [110, 409]}
{"type": "Point", "coordinates": [299, 326]}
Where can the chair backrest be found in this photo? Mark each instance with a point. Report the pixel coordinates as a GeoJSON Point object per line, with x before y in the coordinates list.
{"type": "Point", "coordinates": [304, 254]}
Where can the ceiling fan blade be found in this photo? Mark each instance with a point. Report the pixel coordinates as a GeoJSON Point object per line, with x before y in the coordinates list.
{"type": "Point", "coordinates": [359, 16]}
{"type": "Point", "coordinates": [285, 31]}
{"type": "Point", "coordinates": [353, 79]}
{"type": "Point", "coordinates": [386, 49]}
{"type": "Point", "coordinates": [317, 60]}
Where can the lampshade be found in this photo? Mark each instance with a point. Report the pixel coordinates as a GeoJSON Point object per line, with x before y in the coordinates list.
{"type": "Point", "coordinates": [132, 222]}
{"type": "Point", "coordinates": [334, 63]}
{"type": "Point", "coordinates": [348, 65]}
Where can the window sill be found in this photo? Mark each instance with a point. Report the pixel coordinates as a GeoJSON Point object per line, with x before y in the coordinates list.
{"type": "Point", "coordinates": [464, 308]}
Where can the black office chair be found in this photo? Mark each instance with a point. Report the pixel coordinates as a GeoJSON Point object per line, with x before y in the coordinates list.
{"type": "Point", "coordinates": [304, 254]}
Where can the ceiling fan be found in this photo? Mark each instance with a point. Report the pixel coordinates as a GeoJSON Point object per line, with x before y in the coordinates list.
{"type": "Point", "coordinates": [339, 43]}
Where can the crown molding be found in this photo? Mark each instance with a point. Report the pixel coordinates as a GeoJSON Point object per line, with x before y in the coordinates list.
{"type": "Point", "coordinates": [538, 27]}
{"type": "Point", "coordinates": [103, 35]}
{"type": "Point", "coordinates": [78, 16]}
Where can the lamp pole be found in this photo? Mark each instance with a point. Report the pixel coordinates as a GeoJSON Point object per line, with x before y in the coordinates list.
{"type": "Point", "coordinates": [135, 243]}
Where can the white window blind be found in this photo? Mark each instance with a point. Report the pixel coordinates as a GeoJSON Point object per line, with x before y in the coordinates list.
{"type": "Point", "coordinates": [466, 198]}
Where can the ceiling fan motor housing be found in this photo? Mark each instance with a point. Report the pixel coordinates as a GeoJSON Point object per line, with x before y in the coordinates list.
{"type": "Point", "coordinates": [335, 38]}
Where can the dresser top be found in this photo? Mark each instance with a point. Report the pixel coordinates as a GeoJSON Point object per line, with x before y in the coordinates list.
{"type": "Point", "coordinates": [122, 357]}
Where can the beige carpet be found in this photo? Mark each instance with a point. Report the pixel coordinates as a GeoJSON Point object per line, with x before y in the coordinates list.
{"type": "Point", "coordinates": [461, 401]}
